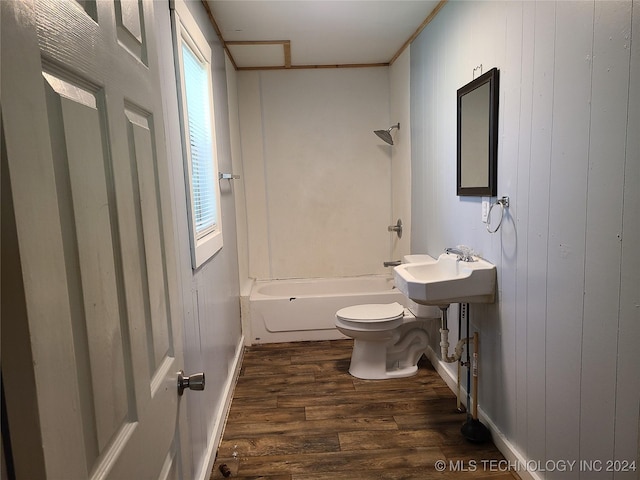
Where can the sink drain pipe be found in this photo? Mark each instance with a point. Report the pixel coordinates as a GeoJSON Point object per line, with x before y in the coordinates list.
{"type": "Point", "coordinates": [444, 340]}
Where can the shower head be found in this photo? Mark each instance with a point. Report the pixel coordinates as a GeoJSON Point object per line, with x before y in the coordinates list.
{"type": "Point", "coordinates": [386, 134]}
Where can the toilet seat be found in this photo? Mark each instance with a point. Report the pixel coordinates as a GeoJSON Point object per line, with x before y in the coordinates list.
{"type": "Point", "coordinates": [372, 312]}
{"type": "Point", "coordinates": [369, 317]}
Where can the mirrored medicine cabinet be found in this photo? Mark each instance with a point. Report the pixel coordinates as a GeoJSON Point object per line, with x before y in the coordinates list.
{"type": "Point", "coordinates": [478, 136]}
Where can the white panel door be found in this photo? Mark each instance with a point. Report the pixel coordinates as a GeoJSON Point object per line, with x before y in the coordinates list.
{"type": "Point", "coordinates": [87, 165]}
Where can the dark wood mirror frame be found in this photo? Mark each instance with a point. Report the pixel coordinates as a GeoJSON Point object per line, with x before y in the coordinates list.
{"type": "Point", "coordinates": [477, 151]}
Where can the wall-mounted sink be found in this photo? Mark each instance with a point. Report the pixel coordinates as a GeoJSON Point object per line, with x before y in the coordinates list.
{"type": "Point", "coordinates": [447, 280]}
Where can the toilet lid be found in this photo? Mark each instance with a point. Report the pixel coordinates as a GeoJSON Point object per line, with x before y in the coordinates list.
{"type": "Point", "coordinates": [372, 312]}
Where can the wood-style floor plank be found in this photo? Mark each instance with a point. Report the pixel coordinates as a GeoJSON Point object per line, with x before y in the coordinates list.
{"type": "Point", "coordinates": [297, 414]}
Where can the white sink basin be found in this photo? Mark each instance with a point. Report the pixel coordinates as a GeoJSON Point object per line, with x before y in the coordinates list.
{"type": "Point", "coordinates": [447, 280]}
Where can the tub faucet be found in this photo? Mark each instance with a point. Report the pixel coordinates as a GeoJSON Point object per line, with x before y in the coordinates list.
{"type": "Point", "coordinates": [464, 253]}
{"type": "Point", "coordinates": [393, 263]}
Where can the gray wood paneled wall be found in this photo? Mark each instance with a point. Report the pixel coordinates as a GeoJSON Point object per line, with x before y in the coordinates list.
{"type": "Point", "coordinates": [559, 350]}
{"type": "Point", "coordinates": [210, 295]}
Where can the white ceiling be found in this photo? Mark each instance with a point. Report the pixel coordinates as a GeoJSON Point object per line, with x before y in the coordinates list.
{"type": "Point", "coordinates": [320, 32]}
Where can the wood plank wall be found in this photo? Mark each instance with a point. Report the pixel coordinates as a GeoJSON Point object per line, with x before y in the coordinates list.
{"type": "Point", "coordinates": [211, 312]}
{"type": "Point", "coordinates": [560, 343]}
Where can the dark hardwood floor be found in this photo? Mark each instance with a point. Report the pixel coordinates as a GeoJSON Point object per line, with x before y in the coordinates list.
{"type": "Point", "coordinates": [297, 414]}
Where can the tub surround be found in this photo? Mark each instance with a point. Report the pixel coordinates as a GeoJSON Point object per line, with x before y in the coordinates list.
{"type": "Point", "coordinates": [310, 160]}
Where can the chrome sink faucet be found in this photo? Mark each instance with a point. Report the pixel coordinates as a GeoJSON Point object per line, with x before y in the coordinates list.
{"type": "Point", "coordinates": [464, 253]}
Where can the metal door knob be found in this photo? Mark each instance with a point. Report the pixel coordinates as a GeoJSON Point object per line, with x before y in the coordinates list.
{"type": "Point", "coordinates": [192, 382]}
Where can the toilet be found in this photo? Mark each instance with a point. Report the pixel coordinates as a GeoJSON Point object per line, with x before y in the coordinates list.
{"type": "Point", "coordinates": [389, 339]}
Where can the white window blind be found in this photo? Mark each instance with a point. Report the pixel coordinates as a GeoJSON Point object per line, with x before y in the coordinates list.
{"type": "Point", "coordinates": [203, 179]}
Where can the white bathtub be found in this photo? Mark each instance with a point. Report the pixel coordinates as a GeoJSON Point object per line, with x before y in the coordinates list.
{"type": "Point", "coordinates": [297, 310]}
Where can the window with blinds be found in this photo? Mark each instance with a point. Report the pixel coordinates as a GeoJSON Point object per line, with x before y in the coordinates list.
{"type": "Point", "coordinates": [196, 80]}
{"type": "Point", "coordinates": [199, 147]}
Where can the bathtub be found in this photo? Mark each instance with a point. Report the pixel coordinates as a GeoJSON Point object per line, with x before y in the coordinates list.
{"type": "Point", "coordinates": [304, 309]}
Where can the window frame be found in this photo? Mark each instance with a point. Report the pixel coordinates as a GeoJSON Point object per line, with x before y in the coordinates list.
{"type": "Point", "coordinates": [188, 33]}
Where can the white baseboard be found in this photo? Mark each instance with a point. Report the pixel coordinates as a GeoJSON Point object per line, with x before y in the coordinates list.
{"type": "Point", "coordinates": [511, 453]}
{"type": "Point", "coordinates": [222, 413]}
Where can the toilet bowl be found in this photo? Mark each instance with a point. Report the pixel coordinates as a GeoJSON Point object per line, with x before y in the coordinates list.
{"type": "Point", "coordinates": [389, 339]}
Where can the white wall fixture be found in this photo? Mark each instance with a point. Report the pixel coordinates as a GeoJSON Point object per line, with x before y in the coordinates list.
{"type": "Point", "coordinates": [450, 279]}
{"type": "Point", "coordinates": [485, 209]}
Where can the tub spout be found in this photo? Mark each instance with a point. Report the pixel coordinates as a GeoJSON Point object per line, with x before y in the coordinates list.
{"type": "Point", "coordinates": [393, 263]}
